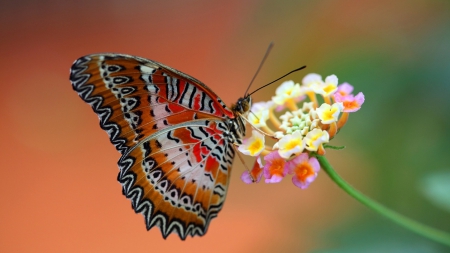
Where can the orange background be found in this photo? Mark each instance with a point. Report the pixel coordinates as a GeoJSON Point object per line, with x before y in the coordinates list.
{"type": "Point", "coordinates": [59, 191]}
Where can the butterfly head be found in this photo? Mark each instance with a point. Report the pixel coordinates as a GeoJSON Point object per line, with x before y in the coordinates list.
{"type": "Point", "coordinates": [242, 106]}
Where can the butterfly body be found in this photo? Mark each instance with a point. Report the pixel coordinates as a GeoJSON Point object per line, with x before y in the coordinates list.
{"type": "Point", "coordinates": [175, 135]}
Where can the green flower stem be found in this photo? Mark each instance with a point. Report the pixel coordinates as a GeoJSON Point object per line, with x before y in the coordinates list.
{"type": "Point", "coordinates": [428, 232]}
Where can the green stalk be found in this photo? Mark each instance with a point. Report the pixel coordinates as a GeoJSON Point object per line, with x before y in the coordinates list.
{"type": "Point", "coordinates": [421, 229]}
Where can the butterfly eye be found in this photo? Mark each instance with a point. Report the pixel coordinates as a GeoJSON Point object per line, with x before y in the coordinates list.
{"type": "Point", "coordinates": [243, 105]}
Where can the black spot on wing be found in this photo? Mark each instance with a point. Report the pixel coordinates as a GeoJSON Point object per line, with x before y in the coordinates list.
{"type": "Point", "coordinates": [203, 131]}
{"type": "Point", "coordinates": [177, 86]}
{"type": "Point", "coordinates": [212, 140]}
{"type": "Point", "coordinates": [191, 98]}
{"type": "Point", "coordinates": [202, 102]}
{"type": "Point", "coordinates": [206, 146]}
{"type": "Point", "coordinates": [210, 104]}
{"type": "Point", "coordinates": [220, 149]}
{"type": "Point", "coordinates": [193, 133]}
{"type": "Point", "coordinates": [216, 156]}
{"type": "Point", "coordinates": [186, 87]}
{"type": "Point", "coordinates": [172, 138]}
{"type": "Point", "coordinates": [147, 148]}
{"type": "Point", "coordinates": [209, 176]}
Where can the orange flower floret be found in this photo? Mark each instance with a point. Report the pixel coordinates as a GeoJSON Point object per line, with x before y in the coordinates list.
{"type": "Point", "coordinates": [304, 170]}
{"type": "Point", "coordinates": [275, 168]}
{"type": "Point", "coordinates": [350, 102]}
{"type": "Point", "coordinates": [253, 176]}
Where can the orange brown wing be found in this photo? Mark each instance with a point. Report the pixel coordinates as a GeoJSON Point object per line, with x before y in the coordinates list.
{"type": "Point", "coordinates": [175, 136]}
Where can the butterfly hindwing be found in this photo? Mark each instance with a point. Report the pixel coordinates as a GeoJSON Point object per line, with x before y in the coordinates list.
{"type": "Point", "coordinates": [174, 135]}
{"type": "Point", "coordinates": [188, 168]}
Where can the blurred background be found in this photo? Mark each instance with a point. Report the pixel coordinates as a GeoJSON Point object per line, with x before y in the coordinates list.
{"type": "Point", "coordinates": [59, 191]}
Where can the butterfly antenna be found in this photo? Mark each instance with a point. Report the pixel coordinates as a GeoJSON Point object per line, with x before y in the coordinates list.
{"type": "Point", "coordinates": [259, 68]}
{"type": "Point", "coordinates": [295, 70]}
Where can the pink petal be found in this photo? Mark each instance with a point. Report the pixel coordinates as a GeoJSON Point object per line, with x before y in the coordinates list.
{"type": "Point", "coordinates": [279, 108]}
{"type": "Point", "coordinates": [338, 97]}
{"type": "Point", "coordinates": [298, 159]}
{"type": "Point", "coordinates": [300, 184]}
{"type": "Point", "coordinates": [246, 178]}
{"type": "Point", "coordinates": [345, 89]}
{"type": "Point", "coordinates": [360, 98]}
{"type": "Point", "coordinates": [257, 172]}
{"type": "Point", "coordinates": [273, 179]}
{"type": "Point", "coordinates": [314, 163]}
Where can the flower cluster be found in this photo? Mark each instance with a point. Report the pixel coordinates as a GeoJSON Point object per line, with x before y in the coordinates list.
{"type": "Point", "coordinates": [301, 131]}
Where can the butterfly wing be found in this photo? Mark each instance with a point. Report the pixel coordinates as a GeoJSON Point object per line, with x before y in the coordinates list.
{"type": "Point", "coordinates": [136, 97]}
{"type": "Point", "coordinates": [172, 132]}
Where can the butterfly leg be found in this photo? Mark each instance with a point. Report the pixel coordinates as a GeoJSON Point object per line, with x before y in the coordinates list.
{"type": "Point", "coordinates": [243, 162]}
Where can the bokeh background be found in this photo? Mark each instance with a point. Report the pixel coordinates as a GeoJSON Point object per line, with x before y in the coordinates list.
{"type": "Point", "coordinates": [58, 170]}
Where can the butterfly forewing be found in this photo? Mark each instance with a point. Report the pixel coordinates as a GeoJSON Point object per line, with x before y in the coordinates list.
{"type": "Point", "coordinates": [174, 133]}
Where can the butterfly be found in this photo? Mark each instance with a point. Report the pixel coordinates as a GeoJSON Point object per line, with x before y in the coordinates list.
{"type": "Point", "coordinates": [175, 135]}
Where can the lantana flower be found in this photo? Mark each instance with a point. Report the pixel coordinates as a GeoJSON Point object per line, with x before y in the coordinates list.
{"type": "Point", "coordinates": [314, 139]}
{"type": "Point", "coordinates": [291, 144]}
{"type": "Point", "coordinates": [287, 94]}
{"type": "Point", "coordinates": [276, 167]}
{"type": "Point", "coordinates": [254, 145]}
{"type": "Point", "coordinates": [329, 113]}
{"type": "Point", "coordinates": [328, 87]}
{"type": "Point", "coordinates": [300, 131]}
{"type": "Point", "coordinates": [350, 103]}
{"type": "Point", "coordinates": [259, 113]}
{"type": "Point", "coordinates": [255, 175]}
{"type": "Point", "coordinates": [344, 89]}
{"type": "Point", "coordinates": [304, 170]}
{"type": "Point", "coordinates": [312, 82]}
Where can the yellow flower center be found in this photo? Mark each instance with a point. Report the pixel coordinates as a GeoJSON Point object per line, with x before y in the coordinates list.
{"type": "Point", "coordinates": [329, 88]}
{"type": "Point", "coordinates": [293, 143]}
{"type": "Point", "coordinates": [315, 137]}
{"type": "Point", "coordinates": [328, 115]}
{"type": "Point", "coordinates": [256, 146]}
